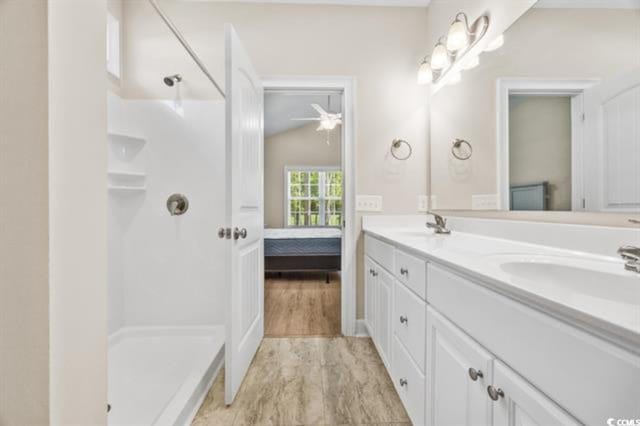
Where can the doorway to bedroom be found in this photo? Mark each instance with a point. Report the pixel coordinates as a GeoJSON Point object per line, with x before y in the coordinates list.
{"type": "Point", "coordinates": [304, 211]}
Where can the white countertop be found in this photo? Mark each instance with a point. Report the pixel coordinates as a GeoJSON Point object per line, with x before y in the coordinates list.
{"type": "Point", "coordinates": [592, 290]}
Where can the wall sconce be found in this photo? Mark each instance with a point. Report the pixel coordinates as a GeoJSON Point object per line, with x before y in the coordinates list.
{"type": "Point", "coordinates": [448, 51]}
{"type": "Point", "coordinates": [495, 44]}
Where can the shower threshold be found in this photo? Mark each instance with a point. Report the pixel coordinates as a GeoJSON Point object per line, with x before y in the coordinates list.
{"type": "Point", "coordinates": [161, 375]}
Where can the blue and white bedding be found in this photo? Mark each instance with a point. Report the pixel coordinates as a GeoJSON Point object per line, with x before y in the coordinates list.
{"type": "Point", "coordinates": [302, 242]}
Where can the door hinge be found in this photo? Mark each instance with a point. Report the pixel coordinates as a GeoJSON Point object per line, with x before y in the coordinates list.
{"type": "Point", "coordinates": [584, 204]}
{"type": "Point", "coordinates": [584, 117]}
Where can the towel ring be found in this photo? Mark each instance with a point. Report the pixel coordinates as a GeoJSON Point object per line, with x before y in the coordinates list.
{"type": "Point", "coordinates": [397, 143]}
{"type": "Point", "coordinates": [456, 146]}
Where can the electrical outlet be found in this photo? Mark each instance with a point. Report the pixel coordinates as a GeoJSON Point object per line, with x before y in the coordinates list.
{"type": "Point", "coordinates": [432, 202]}
{"type": "Point", "coordinates": [369, 203]}
{"type": "Point", "coordinates": [423, 203]}
{"type": "Point", "coordinates": [484, 202]}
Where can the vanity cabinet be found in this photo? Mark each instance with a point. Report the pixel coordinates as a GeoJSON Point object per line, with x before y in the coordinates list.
{"type": "Point", "coordinates": [461, 352]}
{"type": "Point", "coordinates": [519, 403]}
{"type": "Point", "coordinates": [459, 372]}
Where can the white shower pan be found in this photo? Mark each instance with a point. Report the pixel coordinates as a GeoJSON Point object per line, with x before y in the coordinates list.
{"type": "Point", "coordinates": [161, 375]}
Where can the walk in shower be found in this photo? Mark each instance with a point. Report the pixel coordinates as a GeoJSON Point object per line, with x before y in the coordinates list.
{"type": "Point", "coordinates": [165, 185]}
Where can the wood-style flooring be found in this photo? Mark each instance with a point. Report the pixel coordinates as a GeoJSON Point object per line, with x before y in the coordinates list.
{"type": "Point", "coordinates": [309, 381]}
{"type": "Point", "coordinates": [301, 304]}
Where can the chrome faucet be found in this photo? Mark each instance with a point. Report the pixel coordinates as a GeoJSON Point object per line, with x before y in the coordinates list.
{"type": "Point", "coordinates": [440, 226]}
{"type": "Point", "coordinates": [631, 255]}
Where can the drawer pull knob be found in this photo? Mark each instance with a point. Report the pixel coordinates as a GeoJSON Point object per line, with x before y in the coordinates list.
{"type": "Point", "coordinates": [474, 374]}
{"type": "Point", "coordinates": [495, 394]}
{"type": "Point", "coordinates": [375, 274]}
{"type": "Point", "coordinates": [404, 271]}
{"type": "Point", "coordinates": [403, 382]}
{"type": "Point", "coordinates": [403, 319]}
{"type": "Point", "coordinates": [371, 271]}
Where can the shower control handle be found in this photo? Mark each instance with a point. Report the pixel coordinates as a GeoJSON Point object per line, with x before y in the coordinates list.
{"type": "Point", "coordinates": [239, 233]}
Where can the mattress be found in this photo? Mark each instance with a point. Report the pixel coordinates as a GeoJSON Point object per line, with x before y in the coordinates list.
{"type": "Point", "coordinates": [302, 242]}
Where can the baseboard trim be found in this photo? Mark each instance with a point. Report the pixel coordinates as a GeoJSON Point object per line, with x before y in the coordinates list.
{"type": "Point", "coordinates": [361, 328]}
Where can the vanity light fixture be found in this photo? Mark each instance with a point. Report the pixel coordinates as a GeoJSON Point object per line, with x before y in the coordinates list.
{"type": "Point", "coordinates": [459, 33]}
{"type": "Point", "coordinates": [440, 56]}
{"type": "Point", "coordinates": [425, 73]}
{"type": "Point", "coordinates": [454, 79]}
{"type": "Point", "coordinates": [495, 44]}
{"type": "Point", "coordinates": [452, 50]}
{"type": "Point", "coordinates": [471, 62]}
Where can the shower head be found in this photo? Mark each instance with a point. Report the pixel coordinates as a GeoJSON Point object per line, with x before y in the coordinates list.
{"type": "Point", "coordinates": [172, 79]}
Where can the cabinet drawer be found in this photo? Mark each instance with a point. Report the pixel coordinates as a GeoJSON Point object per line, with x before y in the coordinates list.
{"type": "Point", "coordinates": [409, 322]}
{"type": "Point", "coordinates": [409, 382]}
{"type": "Point", "coordinates": [411, 271]}
{"type": "Point", "coordinates": [379, 251]}
{"type": "Point", "coordinates": [590, 378]}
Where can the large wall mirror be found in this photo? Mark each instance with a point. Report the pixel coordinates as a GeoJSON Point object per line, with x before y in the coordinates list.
{"type": "Point", "coordinates": [552, 118]}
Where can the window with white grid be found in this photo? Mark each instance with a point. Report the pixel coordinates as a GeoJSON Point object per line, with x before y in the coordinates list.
{"type": "Point", "coordinates": [314, 197]}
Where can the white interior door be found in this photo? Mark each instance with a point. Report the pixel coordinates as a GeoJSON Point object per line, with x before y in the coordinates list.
{"type": "Point", "coordinates": [612, 150]}
{"type": "Point", "coordinates": [244, 206]}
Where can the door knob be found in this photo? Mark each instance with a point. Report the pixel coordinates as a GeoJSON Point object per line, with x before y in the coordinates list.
{"type": "Point", "coordinates": [403, 382]}
{"type": "Point", "coordinates": [495, 394]}
{"type": "Point", "coordinates": [404, 271]}
{"type": "Point", "coordinates": [239, 233]}
{"type": "Point", "coordinates": [474, 374]}
{"type": "Point", "coordinates": [403, 319]}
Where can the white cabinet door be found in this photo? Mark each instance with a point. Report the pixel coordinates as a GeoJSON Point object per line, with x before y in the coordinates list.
{"type": "Point", "coordinates": [383, 318]}
{"type": "Point", "coordinates": [458, 373]}
{"type": "Point", "coordinates": [520, 404]}
{"type": "Point", "coordinates": [370, 290]}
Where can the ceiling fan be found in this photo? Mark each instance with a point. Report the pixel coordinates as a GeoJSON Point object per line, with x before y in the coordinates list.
{"type": "Point", "coordinates": [328, 120]}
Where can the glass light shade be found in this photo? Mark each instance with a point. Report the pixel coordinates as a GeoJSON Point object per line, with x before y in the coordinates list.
{"type": "Point", "coordinates": [440, 57]}
{"type": "Point", "coordinates": [425, 74]}
{"type": "Point", "coordinates": [454, 79]}
{"type": "Point", "coordinates": [328, 124]}
{"type": "Point", "coordinates": [471, 62]}
{"type": "Point", "coordinates": [458, 37]}
{"type": "Point", "coordinates": [495, 44]}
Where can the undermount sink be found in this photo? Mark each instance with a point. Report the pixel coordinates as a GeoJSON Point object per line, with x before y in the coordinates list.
{"type": "Point", "coordinates": [591, 279]}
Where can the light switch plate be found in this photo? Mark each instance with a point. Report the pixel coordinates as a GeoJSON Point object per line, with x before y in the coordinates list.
{"type": "Point", "coordinates": [369, 203]}
{"type": "Point", "coordinates": [484, 202]}
{"type": "Point", "coordinates": [423, 203]}
{"type": "Point", "coordinates": [433, 202]}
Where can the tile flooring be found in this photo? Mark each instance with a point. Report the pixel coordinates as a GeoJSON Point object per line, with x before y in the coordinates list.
{"type": "Point", "coordinates": [309, 381]}
{"type": "Point", "coordinates": [302, 304]}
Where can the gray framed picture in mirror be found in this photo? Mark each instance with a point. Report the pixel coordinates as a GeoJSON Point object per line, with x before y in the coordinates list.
{"type": "Point", "coordinates": [553, 116]}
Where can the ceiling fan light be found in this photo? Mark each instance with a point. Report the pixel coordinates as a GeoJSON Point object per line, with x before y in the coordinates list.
{"type": "Point", "coordinates": [425, 73]}
{"type": "Point", "coordinates": [458, 37]}
{"type": "Point", "coordinates": [495, 44]}
{"type": "Point", "coordinates": [328, 124]}
{"type": "Point", "coordinates": [440, 57]}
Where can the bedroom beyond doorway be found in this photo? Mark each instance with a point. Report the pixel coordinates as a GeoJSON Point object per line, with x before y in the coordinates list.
{"type": "Point", "coordinates": [304, 212]}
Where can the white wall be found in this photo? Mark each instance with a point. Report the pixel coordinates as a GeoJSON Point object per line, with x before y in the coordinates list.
{"type": "Point", "coordinates": [24, 214]}
{"type": "Point", "coordinates": [165, 270]}
{"type": "Point", "coordinates": [303, 146]}
{"type": "Point", "coordinates": [77, 212]}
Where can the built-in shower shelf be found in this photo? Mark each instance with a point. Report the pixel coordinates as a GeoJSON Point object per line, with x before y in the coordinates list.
{"type": "Point", "coordinates": [126, 139]}
{"type": "Point", "coordinates": [123, 189]}
{"type": "Point", "coordinates": [126, 175]}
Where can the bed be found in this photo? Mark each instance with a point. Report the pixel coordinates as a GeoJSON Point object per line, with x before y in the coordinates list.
{"type": "Point", "coordinates": [302, 249]}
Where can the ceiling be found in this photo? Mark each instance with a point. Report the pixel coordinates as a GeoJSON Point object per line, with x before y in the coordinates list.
{"type": "Point", "coordinates": [391, 3]}
{"type": "Point", "coordinates": [280, 108]}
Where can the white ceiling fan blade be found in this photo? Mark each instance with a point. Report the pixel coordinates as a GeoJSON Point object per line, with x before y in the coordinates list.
{"type": "Point", "coordinates": [320, 127]}
{"type": "Point", "coordinates": [320, 110]}
{"type": "Point", "coordinates": [306, 119]}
